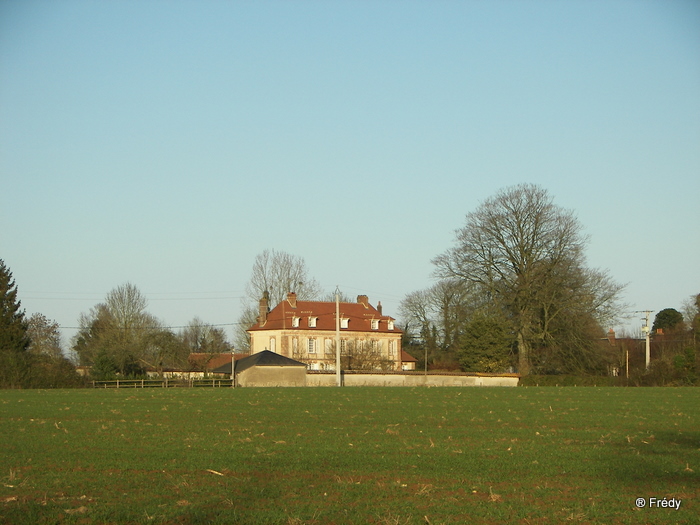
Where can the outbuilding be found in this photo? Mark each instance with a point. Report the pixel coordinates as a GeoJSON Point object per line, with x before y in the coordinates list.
{"type": "Point", "coordinates": [267, 368]}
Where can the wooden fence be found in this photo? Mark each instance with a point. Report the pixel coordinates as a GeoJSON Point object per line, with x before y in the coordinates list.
{"type": "Point", "coordinates": [163, 383]}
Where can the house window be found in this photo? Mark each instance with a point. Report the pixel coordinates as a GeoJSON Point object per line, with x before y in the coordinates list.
{"type": "Point", "coordinates": [375, 324]}
{"type": "Point", "coordinates": [343, 345]}
{"type": "Point", "coordinates": [295, 347]}
{"type": "Point", "coordinates": [392, 348]}
{"type": "Point", "coordinates": [312, 322]}
{"type": "Point", "coordinates": [273, 345]}
{"type": "Point", "coordinates": [380, 347]}
{"type": "Point", "coordinates": [344, 322]}
{"type": "Point", "coordinates": [295, 322]}
{"type": "Point", "coordinates": [329, 346]}
{"type": "Point", "coordinates": [312, 346]}
{"type": "Point", "coordinates": [390, 324]}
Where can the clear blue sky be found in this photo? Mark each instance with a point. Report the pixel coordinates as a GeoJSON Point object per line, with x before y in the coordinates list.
{"type": "Point", "coordinates": [167, 143]}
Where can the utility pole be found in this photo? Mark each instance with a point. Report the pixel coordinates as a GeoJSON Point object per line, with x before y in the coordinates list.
{"type": "Point", "coordinates": [646, 331]}
{"type": "Point", "coordinates": [233, 367]}
{"type": "Point", "coordinates": [426, 361]}
{"type": "Point", "coordinates": [337, 338]}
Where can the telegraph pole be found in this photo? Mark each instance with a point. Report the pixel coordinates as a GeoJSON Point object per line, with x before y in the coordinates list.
{"type": "Point", "coordinates": [233, 368]}
{"type": "Point", "coordinates": [646, 330]}
{"type": "Point", "coordinates": [337, 338]}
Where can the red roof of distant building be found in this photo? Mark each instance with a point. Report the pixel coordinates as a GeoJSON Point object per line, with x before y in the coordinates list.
{"type": "Point", "coordinates": [303, 315]}
{"type": "Point", "coordinates": [407, 358]}
{"type": "Point", "coordinates": [211, 361]}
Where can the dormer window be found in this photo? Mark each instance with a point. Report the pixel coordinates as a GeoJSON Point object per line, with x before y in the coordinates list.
{"type": "Point", "coordinates": [295, 322]}
{"type": "Point", "coordinates": [344, 322]}
{"type": "Point", "coordinates": [390, 324]}
{"type": "Point", "coordinates": [312, 322]}
{"type": "Point", "coordinates": [375, 324]}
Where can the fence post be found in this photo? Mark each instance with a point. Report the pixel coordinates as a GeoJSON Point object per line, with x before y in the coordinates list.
{"type": "Point", "coordinates": [117, 384]}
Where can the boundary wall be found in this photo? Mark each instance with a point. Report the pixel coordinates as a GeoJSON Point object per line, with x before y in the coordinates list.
{"type": "Point", "coordinates": [375, 379]}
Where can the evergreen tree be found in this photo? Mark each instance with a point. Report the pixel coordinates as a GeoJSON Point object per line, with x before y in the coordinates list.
{"type": "Point", "coordinates": [14, 341]}
{"type": "Point", "coordinates": [667, 319]}
{"type": "Point", "coordinates": [487, 345]}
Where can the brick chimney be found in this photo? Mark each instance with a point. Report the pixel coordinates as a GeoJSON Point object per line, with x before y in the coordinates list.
{"type": "Point", "coordinates": [292, 299]}
{"type": "Point", "coordinates": [363, 300]}
{"type": "Point", "coordinates": [379, 307]}
{"type": "Point", "coordinates": [264, 308]}
{"type": "Point", "coordinates": [611, 336]}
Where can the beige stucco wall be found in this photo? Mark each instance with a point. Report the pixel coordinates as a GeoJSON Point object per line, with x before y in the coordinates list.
{"type": "Point", "coordinates": [272, 376]}
{"type": "Point", "coordinates": [410, 380]}
{"type": "Point", "coordinates": [282, 342]}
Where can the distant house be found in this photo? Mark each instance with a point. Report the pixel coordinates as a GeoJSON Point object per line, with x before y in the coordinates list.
{"type": "Point", "coordinates": [206, 363]}
{"type": "Point", "coordinates": [199, 366]}
{"type": "Point", "coordinates": [408, 362]}
{"type": "Point", "coordinates": [266, 369]}
{"type": "Point", "coordinates": [306, 331]}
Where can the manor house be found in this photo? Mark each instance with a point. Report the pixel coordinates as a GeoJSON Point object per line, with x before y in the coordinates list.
{"type": "Point", "coordinates": [306, 331]}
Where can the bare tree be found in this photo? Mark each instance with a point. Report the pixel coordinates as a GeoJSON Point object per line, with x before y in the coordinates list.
{"type": "Point", "coordinates": [120, 329]}
{"type": "Point", "coordinates": [201, 337]}
{"type": "Point", "coordinates": [435, 317]}
{"type": "Point", "coordinates": [44, 336]}
{"type": "Point", "coordinates": [128, 307]}
{"type": "Point", "coordinates": [363, 354]}
{"type": "Point", "coordinates": [279, 273]}
{"type": "Point", "coordinates": [276, 273]}
{"type": "Point", "coordinates": [527, 255]}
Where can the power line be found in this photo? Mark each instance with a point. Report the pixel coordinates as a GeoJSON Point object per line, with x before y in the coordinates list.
{"type": "Point", "coordinates": [151, 327]}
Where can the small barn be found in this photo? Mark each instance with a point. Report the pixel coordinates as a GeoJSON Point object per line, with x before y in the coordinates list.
{"type": "Point", "coordinates": [267, 368]}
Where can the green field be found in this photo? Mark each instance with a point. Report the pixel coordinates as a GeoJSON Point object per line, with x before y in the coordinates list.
{"type": "Point", "coordinates": [351, 455]}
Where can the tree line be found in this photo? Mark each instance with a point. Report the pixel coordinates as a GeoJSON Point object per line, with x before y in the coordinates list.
{"type": "Point", "coordinates": [119, 337]}
{"type": "Point", "coordinates": [513, 294]}
{"type": "Point", "coordinates": [116, 338]}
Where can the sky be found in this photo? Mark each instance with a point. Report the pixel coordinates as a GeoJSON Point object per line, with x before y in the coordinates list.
{"type": "Point", "coordinates": [167, 143]}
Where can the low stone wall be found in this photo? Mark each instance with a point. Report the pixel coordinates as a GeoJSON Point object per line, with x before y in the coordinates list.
{"type": "Point", "coordinates": [409, 380]}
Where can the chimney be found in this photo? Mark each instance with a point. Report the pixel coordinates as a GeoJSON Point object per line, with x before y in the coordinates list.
{"type": "Point", "coordinates": [264, 308]}
{"type": "Point", "coordinates": [363, 300]}
{"type": "Point", "coordinates": [292, 299]}
{"type": "Point", "coordinates": [379, 307]}
{"type": "Point", "coordinates": [611, 336]}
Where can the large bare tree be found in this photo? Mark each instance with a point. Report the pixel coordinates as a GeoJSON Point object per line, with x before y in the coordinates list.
{"type": "Point", "coordinates": [120, 328]}
{"type": "Point", "coordinates": [275, 273]}
{"type": "Point", "coordinates": [279, 273]}
{"type": "Point", "coordinates": [526, 254]}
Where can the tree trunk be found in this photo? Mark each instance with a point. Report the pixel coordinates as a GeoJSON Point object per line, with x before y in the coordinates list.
{"type": "Point", "coordinates": [523, 355]}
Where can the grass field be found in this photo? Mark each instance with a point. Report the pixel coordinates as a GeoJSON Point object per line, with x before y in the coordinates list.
{"type": "Point", "coordinates": [351, 455]}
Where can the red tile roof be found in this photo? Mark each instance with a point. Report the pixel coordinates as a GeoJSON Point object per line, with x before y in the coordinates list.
{"type": "Point", "coordinates": [407, 358]}
{"type": "Point", "coordinates": [211, 361]}
{"type": "Point", "coordinates": [359, 316]}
